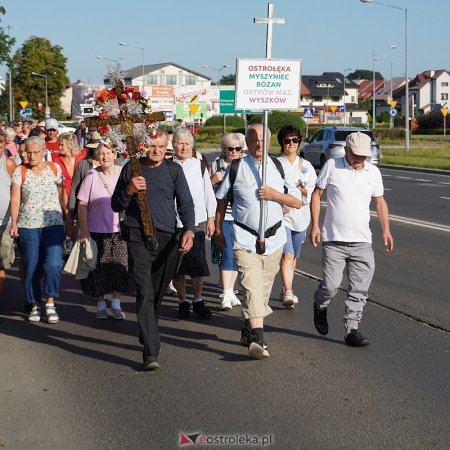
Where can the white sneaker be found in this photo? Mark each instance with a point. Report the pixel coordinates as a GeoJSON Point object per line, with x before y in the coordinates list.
{"type": "Point", "coordinates": [50, 312]}
{"type": "Point", "coordinates": [225, 305]}
{"type": "Point", "coordinates": [234, 300]}
{"type": "Point", "coordinates": [257, 351]}
{"type": "Point", "coordinates": [228, 301]}
{"type": "Point", "coordinates": [35, 314]}
{"type": "Point", "coordinates": [289, 300]}
{"type": "Point", "coordinates": [171, 289]}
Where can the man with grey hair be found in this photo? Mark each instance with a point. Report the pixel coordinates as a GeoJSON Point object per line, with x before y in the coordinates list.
{"type": "Point", "coordinates": [351, 183]}
{"type": "Point", "coordinates": [257, 266]}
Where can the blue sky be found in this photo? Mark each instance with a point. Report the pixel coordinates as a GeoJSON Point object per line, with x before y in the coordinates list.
{"type": "Point", "coordinates": [329, 35]}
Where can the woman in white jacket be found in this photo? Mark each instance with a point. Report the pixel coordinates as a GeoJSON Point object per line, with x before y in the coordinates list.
{"type": "Point", "coordinates": [296, 221]}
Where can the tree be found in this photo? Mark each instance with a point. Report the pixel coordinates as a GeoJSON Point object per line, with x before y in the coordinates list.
{"type": "Point", "coordinates": [40, 56]}
{"type": "Point", "coordinates": [6, 41]}
{"type": "Point", "coordinates": [6, 44]}
{"type": "Point", "coordinates": [363, 74]}
{"type": "Point", "coordinates": [228, 80]}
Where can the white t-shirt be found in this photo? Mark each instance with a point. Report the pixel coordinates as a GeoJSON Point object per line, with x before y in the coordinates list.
{"type": "Point", "coordinates": [301, 170]}
{"type": "Point", "coordinates": [201, 189]}
{"type": "Point", "coordinates": [349, 193]}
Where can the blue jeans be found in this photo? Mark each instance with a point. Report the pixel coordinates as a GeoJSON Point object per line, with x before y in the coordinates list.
{"type": "Point", "coordinates": [228, 261]}
{"type": "Point", "coordinates": [41, 248]}
{"type": "Point", "coordinates": [294, 242]}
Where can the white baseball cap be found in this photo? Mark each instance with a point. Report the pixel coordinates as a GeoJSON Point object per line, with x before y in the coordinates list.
{"type": "Point", "coordinates": [51, 124]}
{"type": "Point", "coordinates": [359, 143]}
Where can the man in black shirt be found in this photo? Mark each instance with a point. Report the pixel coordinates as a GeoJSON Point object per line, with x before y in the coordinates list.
{"type": "Point", "coordinates": [153, 269]}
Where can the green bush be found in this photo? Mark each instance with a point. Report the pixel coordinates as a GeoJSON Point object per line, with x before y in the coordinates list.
{"type": "Point", "coordinates": [279, 118]}
{"type": "Point", "coordinates": [231, 121]}
{"type": "Point", "coordinates": [430, 120]}
{"type": "Point", "coordinates": [389, 133]}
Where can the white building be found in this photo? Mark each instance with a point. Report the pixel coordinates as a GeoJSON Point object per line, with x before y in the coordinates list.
{"type": "Point", "coordinates": [171, 88]}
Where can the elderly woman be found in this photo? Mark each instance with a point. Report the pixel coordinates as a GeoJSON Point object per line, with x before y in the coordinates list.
{"type": "Point", "coordinates": [68, 158]}
{"type": "Point", "coordinates": [11, 146]}
{"type": "Point", "coordinates": [38, 206]}
{"type": "Point", "coordinates": [98, 221]}
{"type": "Point", "coordinates": [296, 221]}
{"type": "Point", "coordinates": [232, 145]}
{"type": "Point", "coordinates": [194, 262]}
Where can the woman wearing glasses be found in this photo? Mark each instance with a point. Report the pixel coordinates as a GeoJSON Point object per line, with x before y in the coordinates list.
{"type": "Point", "coordinates": [232, 148]}
{"type": "Point", "coordinates": [38, 207]}
{"type": "Point", "coordinates": [296, 221]}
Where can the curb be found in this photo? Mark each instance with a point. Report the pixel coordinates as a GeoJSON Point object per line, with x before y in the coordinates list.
{"type": "Point", "coordinates": [416, 169]}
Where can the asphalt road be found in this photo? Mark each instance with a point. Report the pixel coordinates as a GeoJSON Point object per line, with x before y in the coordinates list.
{"type": "Point", "coordinates": [77, 384]}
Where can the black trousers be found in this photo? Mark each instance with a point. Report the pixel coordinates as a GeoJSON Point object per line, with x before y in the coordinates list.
{"type": "Point", "coordinates": [152, 271]}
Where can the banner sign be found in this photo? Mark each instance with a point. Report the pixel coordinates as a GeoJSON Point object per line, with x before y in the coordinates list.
{"type": "Point", "coordinates": [265, 84]}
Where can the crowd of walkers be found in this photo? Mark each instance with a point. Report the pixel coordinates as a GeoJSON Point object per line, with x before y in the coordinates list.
{"type": "Point", "coordinates": [59, 190]}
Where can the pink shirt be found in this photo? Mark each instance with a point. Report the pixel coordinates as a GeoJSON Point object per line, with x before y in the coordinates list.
{"type": "Point", "coordinates": [101, 218]}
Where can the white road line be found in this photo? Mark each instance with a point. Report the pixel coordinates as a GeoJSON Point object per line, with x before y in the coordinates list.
{"type": "Point", "coordinates": [387, 189]}
{"type": "Point", "coordinates": [443, 182]}
{"type": "Point", "coordinates": [404, 178]}
{"type": "Point", "coordinates": [445, 198]}
{"type": "Point", "coordinates": [416, 222]}
{"type": "Point", "coordinates": [420, 179]}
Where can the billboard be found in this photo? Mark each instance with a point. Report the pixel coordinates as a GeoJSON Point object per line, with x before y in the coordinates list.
{"type": "Point", "coordinates": [265, 84]}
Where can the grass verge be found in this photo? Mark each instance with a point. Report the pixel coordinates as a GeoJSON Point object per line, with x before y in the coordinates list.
{"type": "Point", "coordinates": [430, 157]}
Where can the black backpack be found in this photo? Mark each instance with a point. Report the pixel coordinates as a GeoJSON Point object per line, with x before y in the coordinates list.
{"type": "Point", "coordinates": [172, 169]}
{"type": "Point", "coordinates": [234, 167]}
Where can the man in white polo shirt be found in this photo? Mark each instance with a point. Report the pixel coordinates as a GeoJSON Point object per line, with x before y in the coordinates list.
{"type": "Point", "coordinates": [351, 183]}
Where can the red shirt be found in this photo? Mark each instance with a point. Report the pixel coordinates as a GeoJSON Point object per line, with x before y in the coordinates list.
{"type": "Point", "coordinates": [53, 147]}
{"type": "Point", "coordinates": [59, 159]}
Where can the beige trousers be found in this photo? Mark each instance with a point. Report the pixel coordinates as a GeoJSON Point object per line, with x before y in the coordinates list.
{"type": "Point", "coordinates": [257, 273]}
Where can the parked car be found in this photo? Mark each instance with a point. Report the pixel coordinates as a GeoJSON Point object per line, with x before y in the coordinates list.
{"type": "Point", "coordinates": [62, 128]}
{"type": "Point", "coordinates": [329, 142]}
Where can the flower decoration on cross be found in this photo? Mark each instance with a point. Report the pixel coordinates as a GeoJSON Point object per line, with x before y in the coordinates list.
{"type": "Point", "coordinates": [120, 101]}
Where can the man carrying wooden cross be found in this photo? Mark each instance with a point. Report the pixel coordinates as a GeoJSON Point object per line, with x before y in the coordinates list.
{"type": "Point", "coordinates": [153, 268]}
{"type": "Point", "coordinates": [146, 190]}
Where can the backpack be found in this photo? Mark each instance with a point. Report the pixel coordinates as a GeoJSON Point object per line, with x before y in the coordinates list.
{"type": "Point", "coordinates": [172, 169]}
{"type": "Point", "coordinates": [51, 164]}
{"type": "Point", "coordinates": [234, 167]}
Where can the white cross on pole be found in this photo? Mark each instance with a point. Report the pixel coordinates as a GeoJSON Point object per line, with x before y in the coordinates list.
{"type": "Point", "coordinates": [269, 20]}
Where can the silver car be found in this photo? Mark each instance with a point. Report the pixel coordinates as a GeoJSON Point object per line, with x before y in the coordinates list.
{"type": "Point", "coordinates": [329, 142]}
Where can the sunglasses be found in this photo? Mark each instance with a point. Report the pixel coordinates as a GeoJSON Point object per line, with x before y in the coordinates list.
{"type": "Point", "coordinates": [232, 149]}
{"type": "Point", "coordinates": [294, 140]}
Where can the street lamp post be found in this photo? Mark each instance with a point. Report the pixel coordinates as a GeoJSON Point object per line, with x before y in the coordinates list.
{"type": "Point", "coordinates": [345, 110]}
{"type": "Point", "coordinates": [115, 61]}
{"type": "Point", "coordinates": [124, 44]}
{"type": "Point", "coordinates": [374, 112]}
{"type": "Point", "coordinates": [46, 87]}
{"type": "Point", "coordinates": [225, 66]}
{"type": "Point", "coordinates": [11, 107]}
{"type": "Point", "coordinates": [405, 10]}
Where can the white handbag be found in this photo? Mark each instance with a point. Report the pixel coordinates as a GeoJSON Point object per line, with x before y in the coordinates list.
{"type": "Point", "coordinates": [72, 262]}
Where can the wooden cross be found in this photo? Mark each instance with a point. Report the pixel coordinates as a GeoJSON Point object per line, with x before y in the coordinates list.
{"type": "Point", "coordinates": [126, 121]}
